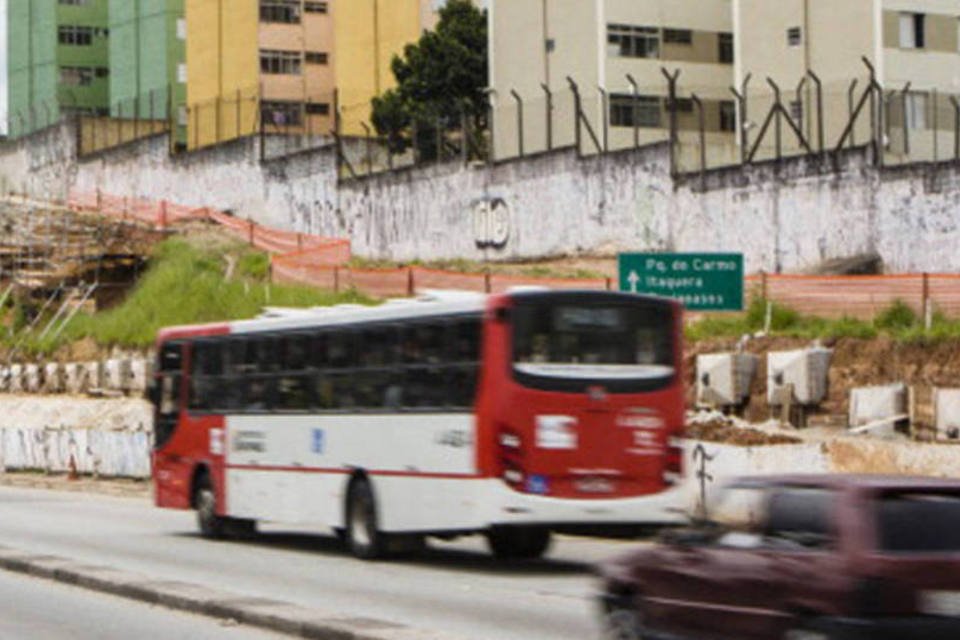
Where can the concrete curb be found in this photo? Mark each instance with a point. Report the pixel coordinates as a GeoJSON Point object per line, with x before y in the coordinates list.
{"type": "Point", "coordinates": [272, 615]}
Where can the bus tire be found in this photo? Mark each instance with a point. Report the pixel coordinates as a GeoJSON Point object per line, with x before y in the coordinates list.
{"type": "Point", "coordinates": [210, 524]}
{"type": "Point", "coordinates": [363, 536]}
{"type": "Point", "coordinates": [518, 543]}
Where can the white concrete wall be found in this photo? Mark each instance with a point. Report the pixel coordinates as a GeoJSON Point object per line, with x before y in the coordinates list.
{"type": "Point", "coordinates": [788, 218]}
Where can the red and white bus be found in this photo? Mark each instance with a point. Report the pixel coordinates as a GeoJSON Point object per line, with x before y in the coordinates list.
{"type": "Point", "coordinates": [513, 415]}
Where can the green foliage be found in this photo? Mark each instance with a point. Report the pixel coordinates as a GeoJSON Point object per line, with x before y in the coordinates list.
{"type": "Point", "coordinates": [185, 285]}
{"type": "Point", "coordinates": [440, 79]}
{"type": "Point", "coordinates": [896, 317]}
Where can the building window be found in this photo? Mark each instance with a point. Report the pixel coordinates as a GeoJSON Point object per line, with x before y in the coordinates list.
{"type": "Point", "coordinates": [181, 29]}
{"type": "Point", "coordinates": [725, 43]}
{"type": "Point", "coordinates": [75, 3]}
{"type": "Point", "coordinates": [281, 62]}
{"type": "Point", "coordinates": [627, 111]}
{"type": "Point", "coordinates": [684, 105]}
{"type": "Point", "coordinates": [181, 72]}
{"type": "Point", "coordinates": [728, 116]}
{"type": "Point", "coordinates": [182, 115]}
{"type": "Point", "coordinates": [315, 7]}
{"type": "Point", "coordinates": [77, 76]}
{"type": "Point", "coordinates": [633, 42]}
{"type": "Point", "coordinates": [285, 11]}
{"type": "Point", "coordinates": [678, 36]}
{"type": "Point", "coordinates": [281, 114]}
{"type": "Point", "coordinates": [75, 36]}
{"type": "Point", "coordinates": [316, 57]}
{"type": "Point", "coordinates": [794, 36]}
{"type": "Point", "coordinates": [102, 72]}
{"type": "Point", "coordinates": [318, 109]}
{"type": "Point", "coordinates": [913, 31]}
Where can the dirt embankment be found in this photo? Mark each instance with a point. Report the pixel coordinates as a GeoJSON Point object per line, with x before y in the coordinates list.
{"type": "Point", "coordinates": [855, 363]}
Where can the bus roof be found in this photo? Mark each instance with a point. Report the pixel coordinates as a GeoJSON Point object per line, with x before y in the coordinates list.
{"type": "Point", "coordinates": [430, 303]}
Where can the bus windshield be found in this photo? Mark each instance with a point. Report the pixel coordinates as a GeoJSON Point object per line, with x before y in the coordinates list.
{"type": "Point", "coordinates": [612, 344]}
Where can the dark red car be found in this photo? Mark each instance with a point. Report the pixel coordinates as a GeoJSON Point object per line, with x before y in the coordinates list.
{"type": "Point", "coordinates": [799, 557]}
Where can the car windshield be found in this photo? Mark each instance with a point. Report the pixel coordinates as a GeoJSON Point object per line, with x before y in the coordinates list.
{"type": "Point", "coordinates": [919, 522]}
{"type": "Point", "coordinates": [597, 341]}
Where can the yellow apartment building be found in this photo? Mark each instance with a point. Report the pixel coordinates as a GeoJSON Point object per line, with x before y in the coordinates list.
{"type": "Point", "coordinates": [614, 51]}
{"type": "Point", "coordinates": [369, 33]}
{"type": "Point", "coordinates": [250, 60]}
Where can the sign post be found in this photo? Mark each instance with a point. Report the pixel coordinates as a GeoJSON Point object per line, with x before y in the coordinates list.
{"type": "Point", "coordinates": [701, 281]}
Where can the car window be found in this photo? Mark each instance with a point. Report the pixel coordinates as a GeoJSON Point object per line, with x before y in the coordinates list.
{"type": "Point", "coordinates": [919, 522]}
{"type": "Point", "coordinates": [801, 517]}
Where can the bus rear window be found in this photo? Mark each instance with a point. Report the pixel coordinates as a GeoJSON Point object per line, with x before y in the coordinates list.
{"type": "Point", "coordinates": [922, 522]}
{"type": "Point", "coordinates": [617, 345]}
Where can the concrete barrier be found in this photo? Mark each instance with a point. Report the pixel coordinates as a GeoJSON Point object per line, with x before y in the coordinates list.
{"type": "Point", "coordinates": [32, 378]}
{"type": "Point", "coordinates": [53, 381]}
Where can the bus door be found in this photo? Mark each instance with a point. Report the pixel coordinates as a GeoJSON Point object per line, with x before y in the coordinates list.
{"type": "Point", "coordinates": [167, 396]}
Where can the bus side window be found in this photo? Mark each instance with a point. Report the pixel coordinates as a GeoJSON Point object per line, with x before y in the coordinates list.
{"type": "Point", "coordinates": [424, 343]}
{"type": "Point", "coordinates": [341, 350]}
{"type": "Point", "coordinates": [168, 378]}
{"type": "Point", "coordinates": [378, 346]}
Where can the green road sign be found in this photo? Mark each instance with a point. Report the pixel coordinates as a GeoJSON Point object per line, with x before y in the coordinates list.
{"type": "Point", "coordinates": [701, 281]}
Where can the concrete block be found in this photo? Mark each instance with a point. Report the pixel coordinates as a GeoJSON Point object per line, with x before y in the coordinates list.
{"type": "Point", "coordinates": [946, 413]}
{"type": "Point", "coordinates": [805, 369]}
{"type": "Point", "coordinates": [16, 378]}
{"type": "Point", "coordinates": [4, 379]}
{"type": "Point", "coordinates": [92, 375]}
{"type": "Point", "coordinates": [116, 374]}
{"type": "Point", "coordinates": [724, 379]}
{"type": "Point", "coordinates": [53, 378]}
{"type": "Point", "coordinates": [72, 375]}
{"type": "Point", "coordinates": [140, 372]}
{"type": "Point", "coordinates": [32, 378]}
{"type": "Point", "coordinates": [869, 405]}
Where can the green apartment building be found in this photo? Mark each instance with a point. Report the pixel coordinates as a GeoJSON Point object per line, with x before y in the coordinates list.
{"type": "Point", "coordinates": [83, 54]}
{"type": "Point", "coordinates": [147, 55]}
{"type": "Point", "coordinates": [28, 71]}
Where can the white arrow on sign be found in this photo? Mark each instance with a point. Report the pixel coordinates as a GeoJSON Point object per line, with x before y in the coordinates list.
{"type": "Point", "coordinates": [633, 279]}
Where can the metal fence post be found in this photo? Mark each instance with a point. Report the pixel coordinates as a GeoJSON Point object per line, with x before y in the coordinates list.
{"type": "Point", "coordinates": [904, 95]}
{"type": "Point", "coordinates": [850, 109]}
{"type": "Point", "coordinates": [820, 125]}
{"type": "Point", "coordinates": [672, 102]}
{"type": "Point", "coordinates": [549, 96]}
{"type": "Point", "coordinates": [956, 128]}
{"type": "Point", "coordinates": [635, 110]}
{"type": "Point", "coordinates": [702, 124]}
{"type": "Point", "coordinates": [519, 101]}
{"type": "Point", "coordinates": [578, 139]}
{"type": "Point", "coordinates": [605, 119]}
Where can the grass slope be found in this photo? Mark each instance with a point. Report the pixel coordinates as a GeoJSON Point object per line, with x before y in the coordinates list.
{"type": "Point", "coordinates": [187, 284]}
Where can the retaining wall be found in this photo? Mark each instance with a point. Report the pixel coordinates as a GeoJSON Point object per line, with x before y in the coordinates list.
{"type": "Point", "coordinates": [785, 216]}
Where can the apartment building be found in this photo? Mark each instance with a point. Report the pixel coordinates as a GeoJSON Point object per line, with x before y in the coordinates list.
{"type": "Point", "coordinates": [28, 66]}
{"type": "Point", "coordinates": [613, 50]}
{"type": "Point", "coordinates": [147, 58]}
{"type": "Point", "coordinates": [913, 45]}
{"type": "Point", "coordinates": [83, 54]}
{"type": "Point", "coordinates": [257, 60]}
{"type": "Point", "coordinates": [368, 35]}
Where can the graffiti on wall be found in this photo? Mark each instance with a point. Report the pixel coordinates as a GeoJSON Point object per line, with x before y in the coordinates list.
{"type": "Point", "coordinates": [491, 223]}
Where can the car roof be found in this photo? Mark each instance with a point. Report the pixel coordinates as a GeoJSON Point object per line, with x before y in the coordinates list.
{"type": "Point", "coordinates": [839, 481]}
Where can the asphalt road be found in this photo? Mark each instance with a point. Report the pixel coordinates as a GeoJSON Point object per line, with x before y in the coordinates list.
{"type": "Point", "coordinates": [35, 608]}
{"type": "Point", "coordinates": [454, 588]}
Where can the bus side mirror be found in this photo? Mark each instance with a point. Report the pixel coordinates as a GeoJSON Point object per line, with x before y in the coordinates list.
{"type": "Point", "coordinates": [501, 314]}
{"type": "Point", "coordinates": [153, 392]}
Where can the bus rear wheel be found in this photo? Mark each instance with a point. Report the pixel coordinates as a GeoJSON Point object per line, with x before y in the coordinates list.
{"type": "Point", "coordinates": [518, 543]}
{"type": "Point", "coordinates": [210, 524]}
{"type": "Point", "coordinates": [363, 536]}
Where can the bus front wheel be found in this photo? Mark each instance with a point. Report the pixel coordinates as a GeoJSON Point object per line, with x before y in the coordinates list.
{"type": "Point", "coordinates": [363, 536]}
{"type": "Point", "coordinates": [210, 524]}
{"type": "Point", "coordinates": [518, 543]}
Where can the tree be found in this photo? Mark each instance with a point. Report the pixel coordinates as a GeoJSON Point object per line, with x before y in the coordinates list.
{"type": "Point", "coordinates": [440, 80]}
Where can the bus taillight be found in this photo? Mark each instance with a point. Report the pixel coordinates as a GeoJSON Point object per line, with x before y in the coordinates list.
{"type": "Point", "coordinates": [511, 454]}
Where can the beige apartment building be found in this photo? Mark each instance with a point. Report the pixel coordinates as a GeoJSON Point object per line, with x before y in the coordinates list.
{"type": "Point", "coordinates": [910, 43]}
{"type": "Point", "coordinates": [716, 45]}
{"type": "Point", "coordinates": [611, 49]}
